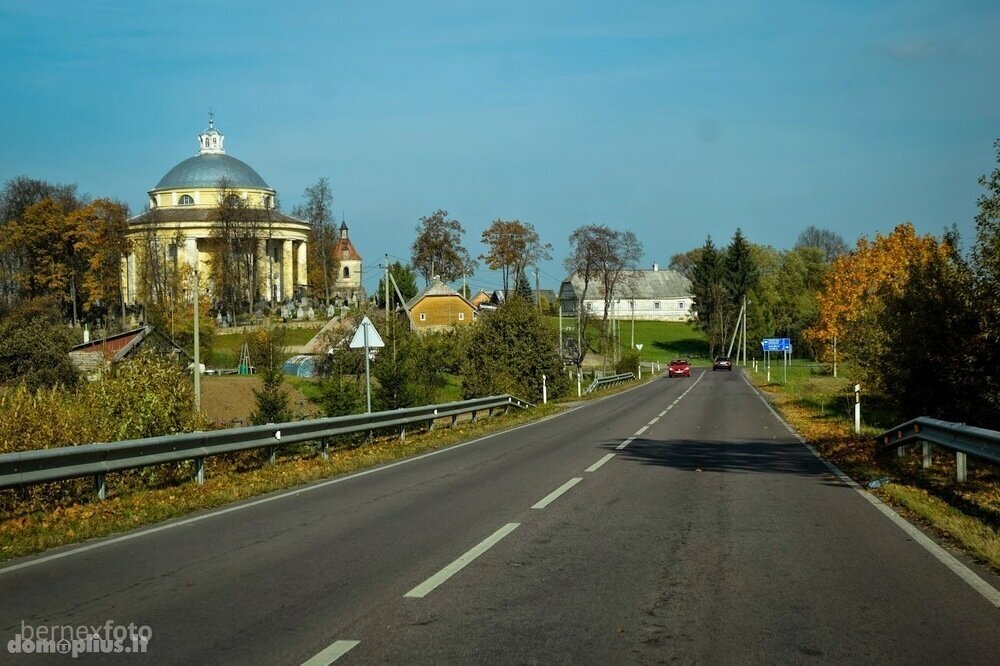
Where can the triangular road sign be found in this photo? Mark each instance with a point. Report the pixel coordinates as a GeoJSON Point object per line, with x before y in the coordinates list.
{"type": "Point", "coordinates": [374, 339]}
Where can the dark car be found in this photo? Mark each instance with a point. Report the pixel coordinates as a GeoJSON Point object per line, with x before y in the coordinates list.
{"type": "Point", "coordinates": [722, 363]}
{"type": "Point", "coordinates": [679, 367]}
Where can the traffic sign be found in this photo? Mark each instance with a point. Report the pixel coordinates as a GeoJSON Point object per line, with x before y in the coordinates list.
{"type": "Point", "coordinates": [776, 344]}
{"type": "Point", "coordinates": [373, 338]}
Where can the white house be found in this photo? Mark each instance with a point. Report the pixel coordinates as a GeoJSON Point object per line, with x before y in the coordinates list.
{"type": "Point", "coordinates": [644, 294]}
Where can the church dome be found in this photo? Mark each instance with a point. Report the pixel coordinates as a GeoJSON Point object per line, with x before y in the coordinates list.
{"type": "Point", "coordinates": [210, 166]}
{"type": "Point", "coordinates": [207, 170]}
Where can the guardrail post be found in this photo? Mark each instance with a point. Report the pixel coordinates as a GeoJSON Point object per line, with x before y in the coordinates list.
{"type": "Point", "coordinates": [100, 487]}
{"type": "Point", "coordinates": [454, 420]}
{"type": "Point", "coordinates": [474, 415]}
{"type": "Point", "coordinates": [927, 455]}
{"type": "Point", "coordinates": [900, 451]}
{"type": "Point", "coordinates": [324, 448]}
{"type": "Point", "coordinates": [430, 425]}
{"type": "Point", "coordinates": [272, 454]}
{"type": "Point", "coordinates": [960, 469]}
{"type": "Point", "coordinates": [402, 433]}
{"type": "Point", "coordinates": [199, 470]}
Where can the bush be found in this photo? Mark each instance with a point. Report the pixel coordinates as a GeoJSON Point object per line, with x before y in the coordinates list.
{"type": "Point", "coordinates": [509, 350]}
{"type": "Point", "coordinates": [629, 362]}
{"type": "Point", "coordinates": [36, 352]}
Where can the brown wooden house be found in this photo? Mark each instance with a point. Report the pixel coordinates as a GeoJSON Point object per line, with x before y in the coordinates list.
{"type": "Point", "coordinates": [438, 308]}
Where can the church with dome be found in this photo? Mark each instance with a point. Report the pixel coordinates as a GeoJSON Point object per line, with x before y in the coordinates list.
{"type": "Point", "coordinates": [180, 231]}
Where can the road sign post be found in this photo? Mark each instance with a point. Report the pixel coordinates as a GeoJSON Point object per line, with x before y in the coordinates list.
{"type": "Point", "coordinates": [783, 345]}
{"type": "Point", "coordinates": [367, 337]}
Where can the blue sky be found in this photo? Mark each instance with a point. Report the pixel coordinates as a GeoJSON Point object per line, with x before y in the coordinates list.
{"type": "Point", "coordinates": [673, 119]}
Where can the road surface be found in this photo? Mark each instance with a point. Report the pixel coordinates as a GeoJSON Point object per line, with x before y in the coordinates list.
{"type": "Point", "coordinates": [679, 521]}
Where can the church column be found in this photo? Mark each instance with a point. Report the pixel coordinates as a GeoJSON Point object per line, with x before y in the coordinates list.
{"type": "Point", "coordinates": [261, 262]}
{"type": "Point", "coordinates": [287, 290]}
{"type": "Point", "coordinates": [191, 252]}
{"type": "Point", "coordinates": [302, 275]}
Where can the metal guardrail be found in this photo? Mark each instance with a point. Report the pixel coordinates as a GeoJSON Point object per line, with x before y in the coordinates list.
{"type": "Point", "coordinates": [610, 381]}
{"type": "Point", "coordinates": [964, 440]}
{"type": "Point", "coordinates": [70, 462]}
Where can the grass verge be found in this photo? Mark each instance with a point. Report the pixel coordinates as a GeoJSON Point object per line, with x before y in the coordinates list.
{"type": "Point", "coordinates": [966, 516]}
{"type": "Point", "coordinates": [227, 481]}
{"type": "Point", "coordinates": [132, 502]}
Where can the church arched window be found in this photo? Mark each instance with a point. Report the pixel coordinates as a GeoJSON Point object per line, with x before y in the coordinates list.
{"type": "Point", "coordinates": [347, 272]}
{"type": "Point", "coordinates": [186, 200]}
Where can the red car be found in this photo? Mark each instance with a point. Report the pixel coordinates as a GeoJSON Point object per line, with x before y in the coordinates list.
{"type": "Point", "coordinates": [679, 367]}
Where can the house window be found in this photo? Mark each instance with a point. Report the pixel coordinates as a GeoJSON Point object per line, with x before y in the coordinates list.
{"type": "Point", "coordinates": [423, 316]}
{"type": "Point", "coordinates": [347, 272]}
{"type": "Point", "coordinates": [680, 305]}
{"type": "Point", "coordinates": [656, 305]}
{"type": "Point", "coordinates": [186, 200]}
{"type": "Point", "coordinates": [461, 316]}
{"type": "Point", "coordinates": [590, 306]}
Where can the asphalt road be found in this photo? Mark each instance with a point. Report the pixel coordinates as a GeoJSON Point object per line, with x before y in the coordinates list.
{"type": "Point", "coordinates": [676, 522]}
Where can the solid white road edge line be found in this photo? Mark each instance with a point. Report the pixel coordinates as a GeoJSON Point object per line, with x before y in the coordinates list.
{"type": "Point", "coordinates": [272, 498]}
{"type": "Point", "coordinates": [990, 593]}
{"type": "Point", "coordinates": [554, 495]}
{"type": "Point", "coordinates": [431, 583]}
{"type": "Point", "coordinates": [597, 465]}
{"type": "Point", "coordinates": [335, 651]}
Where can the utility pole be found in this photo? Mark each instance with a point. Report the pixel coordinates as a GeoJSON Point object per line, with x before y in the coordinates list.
{"type": "Point", "coordinates": [387, 285]}
{"type": "Point", "coordinates": [538, 297]}
{"type": "Point", "coordinates": [745, 329]}
{"type": "Point", "coordinates": [633, 322]}
{"type": "Point", "coordinates": [197, 351]}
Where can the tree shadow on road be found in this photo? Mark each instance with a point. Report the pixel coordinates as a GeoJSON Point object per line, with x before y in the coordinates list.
{"type": "Point", "coordinates": [751, 456]}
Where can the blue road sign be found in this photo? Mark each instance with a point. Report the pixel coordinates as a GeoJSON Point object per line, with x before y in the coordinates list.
{"type": "Point", "coordinates": [776, 344]}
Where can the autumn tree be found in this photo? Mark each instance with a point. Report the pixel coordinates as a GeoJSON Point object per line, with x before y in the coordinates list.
{"type": "Point", "coordinates": [48, 234]}
{"type": "Point", "coordinates": [856, 286]}
{"type": "Point", "coordinates": [513, 245]}
{"type": "Point", "coordinates": [438, 250]}
{"type": "Point", "coordinates": [103, 239]}
{"type": "Point", "coordinates": [324, 242]}
{"type": "Point", "coordinates": [17, 196]}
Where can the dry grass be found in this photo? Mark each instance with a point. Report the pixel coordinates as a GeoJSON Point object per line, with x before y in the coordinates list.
{"type": "Point", "coordinates": [156, 494]}
{"type": "Point", "coordinates": [967, 515]}
{"type": "Point", "coordinates": [226, 481]}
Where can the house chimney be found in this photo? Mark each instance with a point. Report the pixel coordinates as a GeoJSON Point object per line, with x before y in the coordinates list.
{"type": "Point", "coordinates": [656, 267]}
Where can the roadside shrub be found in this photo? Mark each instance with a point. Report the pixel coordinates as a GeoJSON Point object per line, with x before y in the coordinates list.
{"type": "Point", "coordinates": [628, 362]}
{"type": "Point", "coordinates": [509, 351]}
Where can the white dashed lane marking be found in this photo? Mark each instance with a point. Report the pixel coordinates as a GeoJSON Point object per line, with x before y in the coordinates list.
{"type": "Point", "coordinates": [428, 586]}
{"type": "Point", "coordinates": [597, 465]}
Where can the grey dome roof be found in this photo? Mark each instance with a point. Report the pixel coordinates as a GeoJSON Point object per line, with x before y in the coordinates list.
{"type": "Point", "coordinates": [207, 170]}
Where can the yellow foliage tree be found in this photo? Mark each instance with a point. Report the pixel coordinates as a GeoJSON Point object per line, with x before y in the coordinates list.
{"type": "Point", "coordinates": [856, 282]}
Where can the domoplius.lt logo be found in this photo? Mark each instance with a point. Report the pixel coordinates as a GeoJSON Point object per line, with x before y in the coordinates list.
{"type": "Point", "coordinates": [107, 638]}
